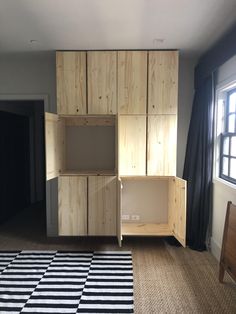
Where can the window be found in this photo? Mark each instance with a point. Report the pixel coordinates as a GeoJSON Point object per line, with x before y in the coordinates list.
{"type": "Point", "coordinates": [227, 169]}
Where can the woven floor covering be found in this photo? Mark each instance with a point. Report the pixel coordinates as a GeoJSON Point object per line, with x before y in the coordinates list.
{"type": "Point", "coordinates": [66, 282]}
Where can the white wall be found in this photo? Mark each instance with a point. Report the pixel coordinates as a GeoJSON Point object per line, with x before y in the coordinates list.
{"type": "Point", "coordinates": [29, 73]}
{"type": "Point", "coordinates": [222, 193]}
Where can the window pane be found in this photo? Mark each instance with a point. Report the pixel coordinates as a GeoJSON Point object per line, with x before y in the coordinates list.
{"type": "Point", "coordinates": [232, 102]}
{"type": "Point", "coordinates": [233, 168]}
{"type": "Point", "coordinates": [226, 146]}
{"type": "Point", "coordinates": [233, 146]}
{"type": "Point", "coordinates": [225, 166]}
{"type": "Point", "coordinates": [231, 123]}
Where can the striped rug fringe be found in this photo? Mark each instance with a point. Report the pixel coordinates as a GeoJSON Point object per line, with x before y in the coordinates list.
{"type": "Point", "coordinates": [66, 282]}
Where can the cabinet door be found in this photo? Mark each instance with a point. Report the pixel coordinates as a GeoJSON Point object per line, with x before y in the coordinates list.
{"type": "Point", "coordinates": [72, 206]}
{"type": "Point", "coordinates": [162, 136]}
{"type": "Point", "coordinates": [71, 82]}
{"type": "Point", "coordinates": [51, 145]}
{"type": "Point", "coordinates": [132, 82]}
{"type": "Point", "coordinates": [102, 82]}
{"type": "Point", "coordinates": [102, 202]}
{"type": "Point", "coordinates": [132, 145]}
{"type": "Point", "coordinates": [163, 82]}
{"type": "Point", "coordinates": [177, 209]}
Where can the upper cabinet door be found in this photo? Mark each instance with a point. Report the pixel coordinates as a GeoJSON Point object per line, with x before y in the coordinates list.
{"type": "Point", "coordinates": [102, 81]}
{"type": "Point", "coordinates": [162, 136]}
{"type": "Point", "coordinates": [132, 145]}
{"type": "Point", "coordinates": [177, 209]}
{"type": "Point", "coordinates": [163, 82]}
{"type": "Point", "coordinates": [132, 82]}
{"type": "Point", "coordinates": [71, 82]}
{"type": "Point", "coordinates": [51, 145]}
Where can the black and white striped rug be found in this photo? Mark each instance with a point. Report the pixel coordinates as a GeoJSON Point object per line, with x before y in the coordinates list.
{"type": "Point", "coordinates": [66, 282]}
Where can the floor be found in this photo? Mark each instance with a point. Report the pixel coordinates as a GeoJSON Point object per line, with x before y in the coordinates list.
{"type": "Point", "coordinates": [167, 278]}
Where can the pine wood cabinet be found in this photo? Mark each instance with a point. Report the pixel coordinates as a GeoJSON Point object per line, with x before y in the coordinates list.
{"type": "Point", "coordinates": [132, 82]}
{"type": "Point", "coordinates": [112, 144]}
{"type": "Point", "coordinates": [163, 82]}
{"type": "Point", "coordinates": [102, 82]}
{"type": "Point", "coordinates": [71, 82]}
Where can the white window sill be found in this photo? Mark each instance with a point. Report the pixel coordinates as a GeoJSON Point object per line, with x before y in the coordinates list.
{"type": "Point", "coordinates": [224, 183]}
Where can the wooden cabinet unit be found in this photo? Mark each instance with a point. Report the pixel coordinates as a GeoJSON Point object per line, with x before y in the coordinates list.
{"type": "Point", "coordinates": [132, 82]}
{"type": "Point", "coordinates": [72, 205]}
{"type": "Point", "coordinates": [161, 146]}
{"type": "Point", "coordinates": [102, 204]}
{"type": "Point", "coordinates": [71, 82]}
{"type": "Point", "coordinates": [163, 82]}
{"type": "Point", "coordinates": [132, 145]}
{"type": "Point", "coordinates": [102, 81]}
{"type": "Point", "coordinates": [112, 145]}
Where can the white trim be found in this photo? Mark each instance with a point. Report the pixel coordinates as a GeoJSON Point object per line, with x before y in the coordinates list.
{"type": "Point", "coordinates": [43, 97]}
{"type": "Point", "coordinates": [215, 249]}
{"type": "Point", "coordinates": [226, 84]}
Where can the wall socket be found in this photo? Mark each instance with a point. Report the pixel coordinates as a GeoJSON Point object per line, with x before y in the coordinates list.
{"type": "Point", "coordinates": [125, 217]}
{"type": "Point", "coordinates": [135, 217]}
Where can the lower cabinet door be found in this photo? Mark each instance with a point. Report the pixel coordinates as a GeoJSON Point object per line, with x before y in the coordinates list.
{"type": "Point", "coordinates": [72, 206]}
{"type": "Point", "coordinates": [102, 205]}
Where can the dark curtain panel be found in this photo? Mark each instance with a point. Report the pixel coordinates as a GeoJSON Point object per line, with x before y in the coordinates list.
{"type": "Point", "coordinates": [198, 166]}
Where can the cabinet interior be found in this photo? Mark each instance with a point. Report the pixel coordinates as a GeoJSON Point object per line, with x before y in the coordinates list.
{"type": "Point", "coordinates": [88, 145]}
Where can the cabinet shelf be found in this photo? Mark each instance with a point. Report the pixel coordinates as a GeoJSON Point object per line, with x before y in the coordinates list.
{"type": "Point", "coordinates": [87, 173]}
{"type": "Point", "coordinates": [146, 229]}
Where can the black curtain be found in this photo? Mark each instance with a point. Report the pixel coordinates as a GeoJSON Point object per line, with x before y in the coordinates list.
{"type": "Point", "coordinates": [198, 166]}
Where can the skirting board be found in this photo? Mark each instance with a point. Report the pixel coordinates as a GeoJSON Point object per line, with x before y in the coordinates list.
{"type": "Point", "coordinates": [215, 249]}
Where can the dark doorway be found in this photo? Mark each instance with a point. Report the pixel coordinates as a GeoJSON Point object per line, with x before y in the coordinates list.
{"type": "Point", "coordinates": [22, 163]}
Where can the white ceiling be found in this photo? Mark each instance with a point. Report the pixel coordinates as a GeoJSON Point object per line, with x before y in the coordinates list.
{"type": "Point", "coordinates": [189, 25]}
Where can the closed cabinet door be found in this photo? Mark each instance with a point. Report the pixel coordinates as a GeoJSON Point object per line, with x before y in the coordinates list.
{"type": "Point", "coordinates": [161, 146]}
{"type": "Point", "coordinates": [102, 81]}
{"type": "Point", "coordinates": [132, 145]}
{"type": "Point", "coordinates": [71, 82]}
{"type": "Point", "coordinates": [72, 206]}
{"type": "Point", "coordinates": [132, 82]}
{"type": "Point", "coordinates": [163, 82]}
{"type": "Point", "coordinates": [102, 202]}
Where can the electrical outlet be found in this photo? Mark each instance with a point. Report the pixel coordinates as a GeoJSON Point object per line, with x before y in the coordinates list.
{"type": "Point", "coordinates": [125, 217]}
{"type": "Point", "coordinates": [135, 217]}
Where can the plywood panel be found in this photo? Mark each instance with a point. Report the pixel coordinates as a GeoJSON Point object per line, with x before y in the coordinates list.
{"type": "Point", "coordinates": [177, 209]}
{"type": "Point", "coordinates": [102, 202]}
{"type": "Point", "coordinates": [72, 200]}
{"type": "Point", "coordinates": [163, 82]}
{"type": "Point", "coordinates": [146, 229]}
{"type": "Point", "coordinates": [161, 150]}
{"type": "Point", "coordinates": [132, 82]}
{"type": "Point", "coordinates": [132, 145]}
{"type": "Point", "coordinates": [51, 145]}
{"type": "Point", "coordinates": [71, 82]}
{"type": "Point", "coordinates": [102, 80]}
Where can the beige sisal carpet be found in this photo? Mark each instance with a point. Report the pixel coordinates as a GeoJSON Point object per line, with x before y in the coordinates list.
{"type": "Point", "coordinates": [167, 279]}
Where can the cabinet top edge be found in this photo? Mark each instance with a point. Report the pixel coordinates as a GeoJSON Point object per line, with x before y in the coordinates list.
{"type": "Point", "coordinates": [104, 50]}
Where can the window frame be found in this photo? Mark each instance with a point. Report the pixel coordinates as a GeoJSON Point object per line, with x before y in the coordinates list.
{"type": "Point", "coordinates": [226, 134]}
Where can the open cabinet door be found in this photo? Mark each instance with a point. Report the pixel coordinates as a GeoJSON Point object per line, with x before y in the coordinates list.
{"type": "Point", "coordinates": [177, 209]}
{"type": "Point", "coordinates": [119, 235]}
{"type": "Point", "coordinates": [51, 145]}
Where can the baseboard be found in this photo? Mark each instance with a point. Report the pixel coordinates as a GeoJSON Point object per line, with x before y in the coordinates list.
{"type": "Point", "coordinates": [215, 249]}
